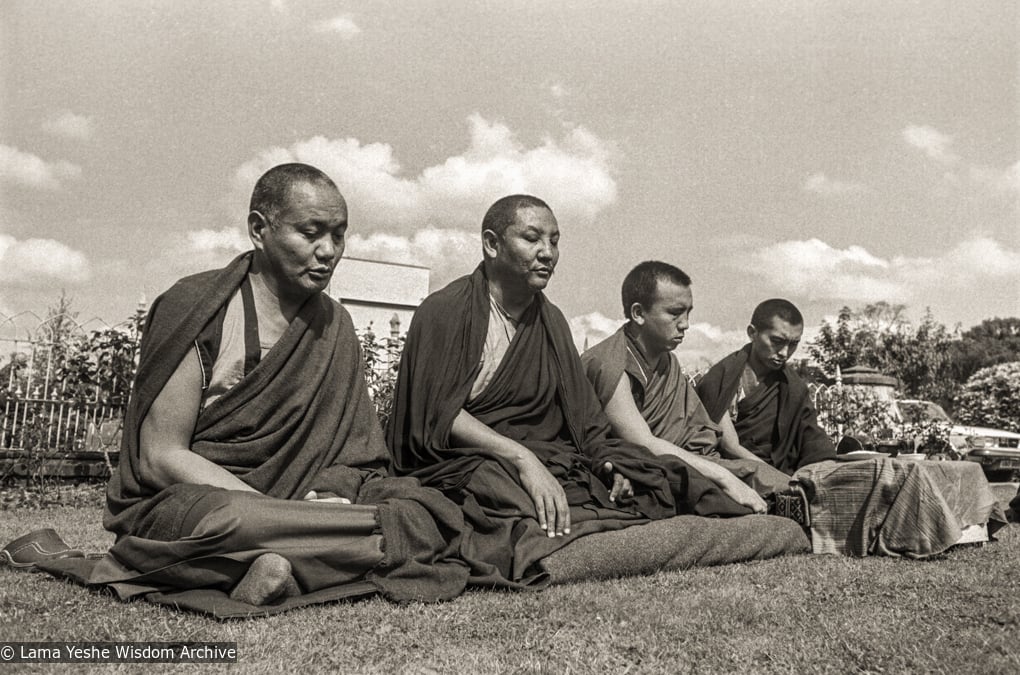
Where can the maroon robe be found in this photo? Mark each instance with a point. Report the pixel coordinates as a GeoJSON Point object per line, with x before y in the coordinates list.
{"type": "Point", "coordinates": [301, 420]}
{"type": "Point", "coordinates": [670, 406]}
{"type": "Point", "coordinates": [539, 397]}
{"type": "Point", "coordinates": [775, 421]}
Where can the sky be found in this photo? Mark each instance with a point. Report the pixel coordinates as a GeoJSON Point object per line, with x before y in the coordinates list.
{"type": "Point", "coordinates": [832, 153]}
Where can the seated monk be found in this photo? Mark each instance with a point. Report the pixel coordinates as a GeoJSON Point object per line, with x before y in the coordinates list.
{"type": "Point", "coordinates": [252, 460]}
{"type": "Point", "coordinates": [762, 406]}
{"type": "Point", "coordinates": [492, 407]}
{"type": "Point", "coordinates": [648, 399]}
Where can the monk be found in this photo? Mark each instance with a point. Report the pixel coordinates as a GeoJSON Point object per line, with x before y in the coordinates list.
{"type": "Point", "coordinates": [649, 400]}
{"type": "Point", "coordinates": [762, 406]}
{"type": "Point", "coordinates": [492, 407]}
{"type": "Point", "coordinates": [877, 505]}
{"type": "Point", "coordinates": [252, 460]}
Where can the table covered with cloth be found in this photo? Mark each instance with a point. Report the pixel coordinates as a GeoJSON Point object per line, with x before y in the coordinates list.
{"type": "Point", "coordinates": [895, 507]}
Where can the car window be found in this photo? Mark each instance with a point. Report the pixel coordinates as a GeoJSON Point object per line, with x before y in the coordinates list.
{"type": "Point", "coordinates": [917, 411]}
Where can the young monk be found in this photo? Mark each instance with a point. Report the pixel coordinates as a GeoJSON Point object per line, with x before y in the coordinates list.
{"type": "Point", "coordinates": [650, 401]}
{"type": "Point", "coordinates": [762, 406]}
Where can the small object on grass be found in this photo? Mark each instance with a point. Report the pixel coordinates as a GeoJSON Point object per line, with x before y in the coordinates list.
{"type": "Point", "coordinates": [35, 547]}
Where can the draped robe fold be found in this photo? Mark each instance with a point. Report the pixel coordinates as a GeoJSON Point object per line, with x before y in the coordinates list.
{"type": "Point", "coordinates": [539, 397]}
{"type": "Point", "coordinates": [670, 406]}
{"type": "Point", "coordinates": [775, 420]}
{"type": "Point", "coordinates": [301, 420]}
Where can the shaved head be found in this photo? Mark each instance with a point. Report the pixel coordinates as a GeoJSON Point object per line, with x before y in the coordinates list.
{"type": "Point", "coordinates": [272, 190]}
{"type": "Point", "coordinates": [776, 307]}
{"type": "Point", "coordinates": [642, 283]}
{"type": "Point", "coordinates": [503, 213]}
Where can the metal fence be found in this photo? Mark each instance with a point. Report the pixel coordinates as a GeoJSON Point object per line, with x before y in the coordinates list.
{"type": "Point", "coordinates": [49, 424]}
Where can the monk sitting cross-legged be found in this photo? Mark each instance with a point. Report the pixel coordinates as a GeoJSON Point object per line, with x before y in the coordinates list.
{"type": "Point", "coordinates": [650, 401]}
{"type": "Point", "coordinates": [763, 407]}
{"type": "Point", "coordinates": [252, 461]}
{"type": "Point", "coordinates": [492, 407]}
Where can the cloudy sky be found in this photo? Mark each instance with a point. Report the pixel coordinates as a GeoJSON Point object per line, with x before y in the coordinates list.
{"type": "Point", "coordinates": [834, 153]}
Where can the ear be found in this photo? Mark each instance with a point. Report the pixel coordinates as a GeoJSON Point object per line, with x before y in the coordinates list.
{"type": "Point", "coordinates": [637, 314]}
{"type": "Point", "coordinates": [257, 226]}
{"type": "Point", "coordinates": [751, 331]}
{"type": "Point", "coordinates": [490, 243]}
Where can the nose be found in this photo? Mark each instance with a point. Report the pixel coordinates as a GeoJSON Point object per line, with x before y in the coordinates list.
{"type": "Point", "coordinates": [327, 249]}
{"type": "Point", "coordinates": [546, 251]}
{"type": "Point", "coordinates": [683, 323]}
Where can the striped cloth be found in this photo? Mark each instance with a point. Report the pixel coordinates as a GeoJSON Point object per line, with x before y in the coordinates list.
{"type": "Point", "coordinates": [894, 507]}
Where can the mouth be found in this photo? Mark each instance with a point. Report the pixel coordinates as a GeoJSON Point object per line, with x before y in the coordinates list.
{"type": "Point", "coordinates": [320, 273]}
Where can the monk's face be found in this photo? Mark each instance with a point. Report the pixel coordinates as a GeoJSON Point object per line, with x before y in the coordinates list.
{"type": "Point", "coordinates": [528, 250]}
{"type": "Point", "coordinates": [304, 241]}
{"type": "Point", "coordinates": [663, 324]}
{"type": "Point", "coordinates": [772, 347]}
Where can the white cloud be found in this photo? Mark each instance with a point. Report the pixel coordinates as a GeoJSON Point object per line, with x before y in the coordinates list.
{"type": "Point", "coordinates": [32, 261]}
{"type": "Point", "coordinates": [279, 6]}
{"type": "Point", "coordinates": [448, 253]}
{"type": "Point", "coordinates": [705, 344]}
{"type": "Point", "coordinates": [1002, 181]}
{"type": "Point", "coordinates": [343, 26]}
{"type": "Point", "coordinates": [557, 90]}
{"type": "Point", "coordinates": [573, 174]}
{"type": "Point", "coordinates": [821, 184]}
{"type": "Point", "coordinates": [592, 329]}
{"type": "Point", "coordinates": [814, 270]}
{"type": "Point", "coordinates": [933, 142]}
{"type": "Point", "coordinates": [69, 125]}
{"type": "Point", "coordinates": [24, 168]}
{"type": "Point", "coordinates": [229, 240]}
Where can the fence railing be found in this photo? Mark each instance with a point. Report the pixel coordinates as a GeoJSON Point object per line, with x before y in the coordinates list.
{"type": "Point", "coordinates": [50, 414]}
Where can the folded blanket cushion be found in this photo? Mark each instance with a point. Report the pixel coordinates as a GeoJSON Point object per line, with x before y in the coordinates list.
{"type": "Point", "coordinates": [676, 543]}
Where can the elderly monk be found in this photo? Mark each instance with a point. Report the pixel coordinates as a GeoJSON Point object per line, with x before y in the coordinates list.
{"type": "Point", "coordinates": [763, 407]}
{"type": "Point", "coordinates": [492, 407]}
{"type": "Point", "coordinates": [649, 400]}
{"type": "Point", "coordinates": [252, 460]}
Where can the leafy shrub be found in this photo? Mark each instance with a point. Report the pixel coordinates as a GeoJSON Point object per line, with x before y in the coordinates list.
{"type": "Point", "coordinates": [382, 359]}
{"type": "Point", "coordinates": [860, 413]}
{"type": "Point", "coordinates": [991, 398]}
{"type": "Point", "coordinates": [855, 411]}
{"type": "Point", "coordinates": [100, 367]}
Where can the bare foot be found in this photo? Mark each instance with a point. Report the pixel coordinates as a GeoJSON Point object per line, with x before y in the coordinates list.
{"type": "Point", "coordinates": [268, 578]}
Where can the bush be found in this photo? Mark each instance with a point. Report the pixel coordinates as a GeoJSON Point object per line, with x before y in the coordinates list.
{"type": "Point", "coordinates": [868, 418]}
{"type": "Point", "coordinates": [382, 359]}
{"type": "Point", "coordinates": [991, 398]}
{"type": "Point", "coordinates": [858, 412]}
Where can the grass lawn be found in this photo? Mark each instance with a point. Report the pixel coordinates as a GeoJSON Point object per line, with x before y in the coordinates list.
{"type": "Point", "coordinates": [957, 613]}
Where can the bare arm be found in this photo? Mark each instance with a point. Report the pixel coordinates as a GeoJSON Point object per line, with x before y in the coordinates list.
{"type": "Point", "coordinates": [165, 436]}
{"type": "Point", "coordinates": [629, 425]}
{"type": "Point", "coordinates": [730, 445]}
{"type": "Point", "coordinates": [547, 493]}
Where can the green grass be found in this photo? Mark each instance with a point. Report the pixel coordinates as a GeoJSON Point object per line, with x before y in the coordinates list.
{"type": "Point", "coordinates": [957, 613]}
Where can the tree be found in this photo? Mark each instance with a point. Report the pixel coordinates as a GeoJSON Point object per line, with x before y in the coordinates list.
{"type": "Point", "coordinates": [991, 398]}
{"type": "Point", "coordinates": [858, 337]}
{"type": "Point", "coordinates": [879, 336]}
{"type": "Point", "coordinates": [991, 342]}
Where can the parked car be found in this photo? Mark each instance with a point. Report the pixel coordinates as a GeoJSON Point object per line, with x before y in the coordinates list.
{"type": "Point", "coordinates": [996, 450]}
